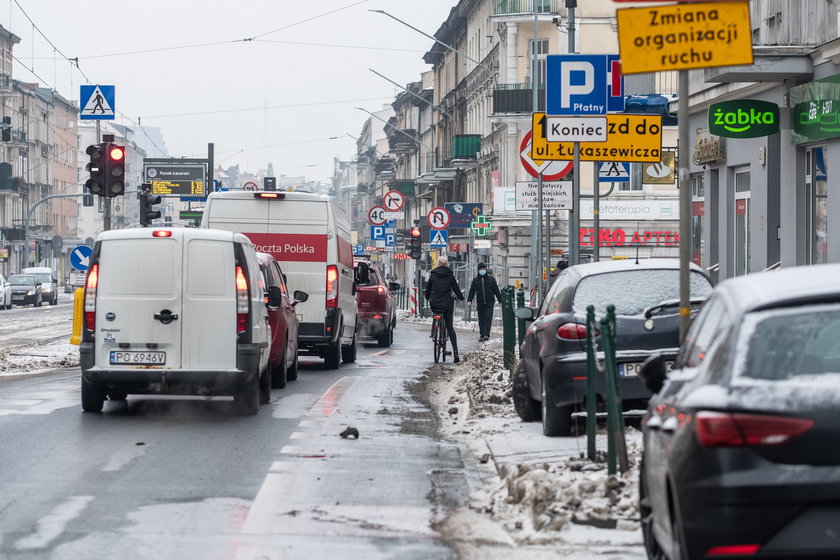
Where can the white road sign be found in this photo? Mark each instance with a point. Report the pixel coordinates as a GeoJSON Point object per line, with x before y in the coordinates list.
{"type": "Point", "coordinates": [575, 129]}
{"type": "Point", "coordinates": [438, 218]}
{"type": "Point", "coordinates": [393, 201]}
{"type": "Point", "coordinates": [394, 215]}
{"type": "Point", "coordinates": [556, 195]}
{"type": "Point", "coordinates": [376, 216]}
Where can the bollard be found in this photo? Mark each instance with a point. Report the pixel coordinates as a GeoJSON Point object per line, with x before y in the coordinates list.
{"type": "Point", "coordinates": [616, 445]}
{"type": "Point", "coordinates": [591, 372]}
{"type": "Point", "coordinates": [520, 302]}
{"type": "Point", "coordinates": [508, 327]}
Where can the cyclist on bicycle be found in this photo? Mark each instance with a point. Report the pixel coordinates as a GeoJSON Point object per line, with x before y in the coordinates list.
{"type": "Point", "coordinates": [439, 290]}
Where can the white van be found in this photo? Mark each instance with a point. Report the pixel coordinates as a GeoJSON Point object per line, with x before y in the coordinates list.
{"type": "Point", "coordinates": [49, 282]}
{"type": "Point", "coordinates": [174, 311]}
{"type": "Point", "coordinates": [309, 235]}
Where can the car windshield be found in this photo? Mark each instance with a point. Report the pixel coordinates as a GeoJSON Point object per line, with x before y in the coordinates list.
{"type": "Point", "coordinates": [22, 281]}
{"type": "Point", "coordinates": [789, 343]}
{"type": "Point", "coordinates": [633, 291]}
{"type": "Point", "coordinates": [44, 277]}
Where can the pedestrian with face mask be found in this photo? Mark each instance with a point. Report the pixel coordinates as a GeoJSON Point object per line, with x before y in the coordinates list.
{"type": "Point", "coordinates": [485, 291]}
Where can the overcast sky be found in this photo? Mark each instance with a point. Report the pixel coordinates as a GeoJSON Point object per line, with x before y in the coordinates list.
{"type": "Point", "coordinates": [277, 98]}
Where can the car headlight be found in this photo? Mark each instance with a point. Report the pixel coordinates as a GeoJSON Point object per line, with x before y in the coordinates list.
{"type": "Point", "coordinates": [30, 293]}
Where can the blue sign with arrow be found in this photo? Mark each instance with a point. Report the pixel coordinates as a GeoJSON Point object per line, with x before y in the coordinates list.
{"type": "Point", "coordinates": [80, 257]}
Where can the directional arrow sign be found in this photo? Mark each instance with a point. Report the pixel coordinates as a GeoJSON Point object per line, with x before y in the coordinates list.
{"type": "Point", "coordinates": [376, 215]}
{"type": "Point", "coordinates": [393, 201]}
{"type": "Point", "coordinates": [80, 257]}
{"type": "Point", "coordinates": [572, 129]}
{"type": "Point", "coordinates": [438, 218]}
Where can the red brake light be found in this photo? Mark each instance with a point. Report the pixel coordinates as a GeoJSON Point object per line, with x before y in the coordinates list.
{"type": "Point", "coordinates": [332, 286]}
{"type": "Point", "coordinates": [721, 429]}
{"type": "Point", "coordinates": [117, 153]}
{"type": "Point", "coordinates": [734, 550]}
{"type": "Point", "coordinates": [572, 331]}
{"type": "Point", "coordinates": [161, 233]}
{"type": "Point", "coordinates": [381, 289]}
{"type": "Point", "coordinates": [242, 306]}
{"type": "Point", "coordinates": [90, 297]}
{"type": "Point", "coordinates": [269, 195]}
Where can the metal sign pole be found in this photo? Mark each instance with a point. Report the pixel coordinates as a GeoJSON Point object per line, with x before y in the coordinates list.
{"type": "Point", "coordinates": [685, 204]}
{"type": "Point", "coordinates": [536, 236]}
{"type": "Point", "coordinates": [596, 214]}
{"type": "Point", "coordinates": [574, 213]}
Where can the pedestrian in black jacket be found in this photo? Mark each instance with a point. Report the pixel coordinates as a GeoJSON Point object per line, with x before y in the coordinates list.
{"type": "Point", "coordinates": [439, 291]}
{"type": "Point", "coordinates": [485, 290]}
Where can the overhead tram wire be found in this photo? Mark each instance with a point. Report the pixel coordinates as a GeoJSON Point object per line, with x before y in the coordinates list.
{"type": "Point", "coordinates": [289, 106]}
{"type": "Point", "coordinates": [308, 19]}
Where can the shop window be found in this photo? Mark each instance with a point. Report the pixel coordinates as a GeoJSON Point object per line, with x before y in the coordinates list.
{"type": "Point", "coordinates": [742, 222]}
{"type": "Point", "coordinates": [698, 209]}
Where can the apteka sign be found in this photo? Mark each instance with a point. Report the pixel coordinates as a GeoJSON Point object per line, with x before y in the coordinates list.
{"type": "Point", "coordinates": [744, 118]}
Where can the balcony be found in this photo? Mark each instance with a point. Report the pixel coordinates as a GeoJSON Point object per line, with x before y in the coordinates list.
{"type": "Point", "coordinates": [465, 146]}
{"type": "Point", "coordinates": [507, 7]}
{"type": "Point", "coordinates": [516, 98]}
{"type": "Point", "coordinates": [402, 141]}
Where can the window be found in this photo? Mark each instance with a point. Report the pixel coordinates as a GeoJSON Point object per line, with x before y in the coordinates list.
{"type": "Point", "coordinates": [698, 209]}
{"type": "Point", "coordinates": [556, 294]}
{"type": "Point", "coordinates": [816, 184]}
{"type": "Point", "coordinates": [542, 51]}
{"type": "Point", "coordinates": [712, 322]}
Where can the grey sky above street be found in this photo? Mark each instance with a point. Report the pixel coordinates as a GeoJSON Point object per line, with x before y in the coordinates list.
{"type": "Point", "coordinates": [254, 76]}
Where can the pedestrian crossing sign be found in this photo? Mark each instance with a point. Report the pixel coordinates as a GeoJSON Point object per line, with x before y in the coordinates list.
{"type": "Point", "coordinates": [438, 238]}
{"type": "Point", "coordinates": [97, 103]}
{"type": "Point", "coordinates": [614, 172]}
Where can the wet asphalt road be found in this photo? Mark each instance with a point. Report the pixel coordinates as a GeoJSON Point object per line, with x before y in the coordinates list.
{"type": "Point", "coordinates": [167, 477]}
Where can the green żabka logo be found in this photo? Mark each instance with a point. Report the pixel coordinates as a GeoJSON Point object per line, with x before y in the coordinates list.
{"type": "Point", "coordinates": [744, 118]}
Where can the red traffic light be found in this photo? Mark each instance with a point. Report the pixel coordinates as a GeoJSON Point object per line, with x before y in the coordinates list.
{"type": "Point", "coordinates": [415, 232]}
{"type": "Point", "coordinates": [116, 153]}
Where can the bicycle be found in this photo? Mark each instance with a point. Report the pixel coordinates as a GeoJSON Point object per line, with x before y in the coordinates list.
{"type": "Point", "coordinates": [439, 337]}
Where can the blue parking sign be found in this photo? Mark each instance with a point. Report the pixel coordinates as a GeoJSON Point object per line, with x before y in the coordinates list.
{"type": "Point", "coordinates": [576, 84]}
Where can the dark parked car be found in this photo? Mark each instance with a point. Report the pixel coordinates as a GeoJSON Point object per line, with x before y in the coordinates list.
{"type": "Point", "coordinates": [550, 377]}
{"type": "Point", "coordinates": [26, 290]}
{"type": "Point", "coordinates": [741, 454]}
{"type": "Point", "coordinates": [377, 306]}
{"type": "Point", "coordinates": [283, 356]}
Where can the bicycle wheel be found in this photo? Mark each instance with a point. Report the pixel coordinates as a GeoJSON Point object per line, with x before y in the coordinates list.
{"type": "Point", "coordinates": [442, 345]}
{"type": "Point", "coordinates": [435, 330]}
{"type": "Point", "coordinates": [439, 350]}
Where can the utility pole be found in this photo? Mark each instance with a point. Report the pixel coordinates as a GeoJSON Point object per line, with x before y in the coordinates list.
{"type": "Point", "coordinates": [685, 203]}
{"type": "Point", "coordinates": [537, 216]}
{"type": "Point", "coordinates": [574, 213]}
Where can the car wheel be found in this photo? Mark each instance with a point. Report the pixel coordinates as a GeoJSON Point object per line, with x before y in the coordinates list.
{"type": "Point", "coordinates": [292, 372]}
{"type": "Point", "coordinates": [652, 548]}
{"type": "Point", "coordinates": [279, 374]}
{"type": "Point", "coordinates": [348, 353]}
{"type": "Point", "coordinates": [526, 407]}
{"type": "Point", "coordinates": [385, 338]}
{"type": "Point", "coordinates": [556, 420]}
{"type": "Point", "coordinates": [247, 399]}
{"type": "Point", "coordinates": [332, 356]}
{"type": "Point", "coordinates": [93, 397]}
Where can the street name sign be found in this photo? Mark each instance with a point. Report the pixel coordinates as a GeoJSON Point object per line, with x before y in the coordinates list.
{"type": "Point", "coordinates": [684, 36]}
{"type": "Point", "coordinates": [176, 177]}
{"type": "Point", "coordinates": [629, 138]}
{"type": "Point", "coordinates": [555, 195]}
{"type": "Point", "coordinates": [393, 215]}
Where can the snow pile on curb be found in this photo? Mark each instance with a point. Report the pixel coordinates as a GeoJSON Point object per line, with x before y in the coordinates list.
{"type": "Point", "coordinates": [38, 358]}
{"type": "Point", "coordinates": [564, 499]}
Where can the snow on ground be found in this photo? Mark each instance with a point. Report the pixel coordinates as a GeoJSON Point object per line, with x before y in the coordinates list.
{"type": "Point", "coordinates": [38, 358]}
{"type": "Point", "coordinates": [533, 490]}
{"type": "Point", "coordinates": [36, 340]}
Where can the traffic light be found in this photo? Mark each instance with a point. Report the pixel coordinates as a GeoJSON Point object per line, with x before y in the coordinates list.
{"type": "Point", "coordinates": [415, 242]}
{"type": "Point", "coordinates": [147, 211]}
{"type": "Point", "coordinates": [114, 170]}
{"type": "Point", "coordinates": [96, 167]}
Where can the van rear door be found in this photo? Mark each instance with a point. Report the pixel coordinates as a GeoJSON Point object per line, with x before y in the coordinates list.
{"type": "Point", "coordinates": [139, 277]}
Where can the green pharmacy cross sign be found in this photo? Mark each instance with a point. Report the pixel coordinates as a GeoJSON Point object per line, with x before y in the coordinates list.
{"type": "Point", "coordinates": [480, 225]}
{"type": "Point", "coordinates": [744, 118]}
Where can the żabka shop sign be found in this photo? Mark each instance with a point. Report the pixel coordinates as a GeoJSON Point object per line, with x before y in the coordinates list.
{"type": "Point", "coordinates": [744, 118]}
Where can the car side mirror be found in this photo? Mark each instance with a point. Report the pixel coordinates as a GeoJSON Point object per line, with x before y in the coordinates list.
{"type": "Point", "coordinates": [362, 273]}
{"type": "Point", "coordinates": [394, 286]}
{"type": "Point", "coordinates": [526, 313]}
{"type": "Point", "coordinates": [654, 372]}
{"type": "Point", "coordinates": [275, 297]}
{"type": "Point", "coordinates": [300, 296]}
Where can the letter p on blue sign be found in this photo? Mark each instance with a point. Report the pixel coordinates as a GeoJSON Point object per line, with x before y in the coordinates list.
{"type": "Point", "coordinates": [576, 84]}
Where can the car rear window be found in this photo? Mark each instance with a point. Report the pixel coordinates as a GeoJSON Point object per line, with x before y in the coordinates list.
{"type": "Point", "coordinates": [789, 343]}
{"type": "Point", "coordinates": [633, 291]}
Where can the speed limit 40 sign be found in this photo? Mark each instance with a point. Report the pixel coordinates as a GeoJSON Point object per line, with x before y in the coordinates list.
{"type": "Point", "coordinates": [376, 215]}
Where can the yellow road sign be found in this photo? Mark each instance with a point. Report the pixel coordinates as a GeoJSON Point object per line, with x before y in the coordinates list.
{"type": "Point", "coordinates": [682, 36]}
{"type": "Point", "coordinates": [629, 138]}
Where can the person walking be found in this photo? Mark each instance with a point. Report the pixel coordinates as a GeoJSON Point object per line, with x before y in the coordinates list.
{"type": "Point", "coordinates": [439, 291]}
{"type": "Point", "coordinates": [485, 290]}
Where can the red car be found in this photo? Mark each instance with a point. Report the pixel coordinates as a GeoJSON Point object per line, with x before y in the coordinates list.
{"type": "Point", "coordinates": [376, 303]}
{"type": "Point", "coordinates": [283, 357]}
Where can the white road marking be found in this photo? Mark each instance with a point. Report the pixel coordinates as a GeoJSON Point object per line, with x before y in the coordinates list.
{"type": "Point", "coordinates": [52, 525]}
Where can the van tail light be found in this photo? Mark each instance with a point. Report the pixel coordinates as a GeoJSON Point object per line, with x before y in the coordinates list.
{"type": "Point", "coordinates": [90, 297]}
{"type": "Point", "coordinates": [242, 306]}
{"type": "Point", "coordinates": [721, 429]}
{"type": "Point", "coordinates": [734, 550]}
{"type": "Point", "coordinates": [332, 286]}
{"type": "Point", "coordinates": [573, 331]}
